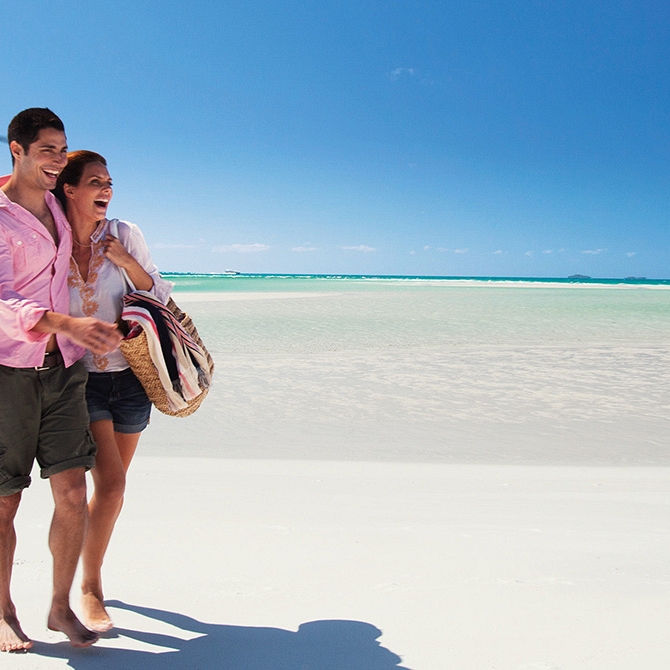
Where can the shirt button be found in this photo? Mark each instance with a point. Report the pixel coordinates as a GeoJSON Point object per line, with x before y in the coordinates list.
{"type": "Point", "coordinates": [19, 242]}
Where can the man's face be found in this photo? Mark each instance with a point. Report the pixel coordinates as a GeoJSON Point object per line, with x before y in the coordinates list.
{"type": "Point", "coordinates": [44, 160]}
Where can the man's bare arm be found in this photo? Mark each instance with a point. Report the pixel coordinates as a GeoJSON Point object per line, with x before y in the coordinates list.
{"type": "Point", "coordinates": [98, 336]}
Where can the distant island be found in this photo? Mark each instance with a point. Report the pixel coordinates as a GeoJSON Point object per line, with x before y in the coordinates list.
{"type": "Point", "coordinates": [579, 277]}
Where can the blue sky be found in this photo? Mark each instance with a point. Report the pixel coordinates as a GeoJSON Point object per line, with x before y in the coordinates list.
{"type": "Point", "coordinates": [507, 138]}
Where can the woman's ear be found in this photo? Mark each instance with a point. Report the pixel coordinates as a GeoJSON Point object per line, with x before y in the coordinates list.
{"type": "Point", "coordinates": [68, 189]}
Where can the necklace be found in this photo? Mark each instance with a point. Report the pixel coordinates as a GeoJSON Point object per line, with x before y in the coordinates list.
{"type": "Point", "coordinates": [86, 246]}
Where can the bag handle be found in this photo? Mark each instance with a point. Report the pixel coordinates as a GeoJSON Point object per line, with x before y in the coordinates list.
{"type": "Point", "coordinates": [114, 230]}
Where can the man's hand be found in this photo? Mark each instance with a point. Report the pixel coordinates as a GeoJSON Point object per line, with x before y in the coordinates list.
{"type": "Point", "coordinates": [98, 336]}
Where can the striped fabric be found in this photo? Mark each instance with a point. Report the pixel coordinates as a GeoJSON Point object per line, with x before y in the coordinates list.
{"type": "Point", "coordinates": [181, 364]}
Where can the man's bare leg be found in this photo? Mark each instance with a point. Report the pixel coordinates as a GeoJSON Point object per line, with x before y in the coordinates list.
{"type": "Point", "coordinates": [12, 638]}
{"type": "Point", "coordinates": [115, 452]}
{"type": "Point", "coordinates": [66, 537]}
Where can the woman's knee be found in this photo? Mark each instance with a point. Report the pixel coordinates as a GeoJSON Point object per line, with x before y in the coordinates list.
{"type": "Point", "coordinates": [111, 486]}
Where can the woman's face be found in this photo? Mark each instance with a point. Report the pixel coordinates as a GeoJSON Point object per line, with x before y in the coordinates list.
{"type": "Point", "coordinates": [89, 200]}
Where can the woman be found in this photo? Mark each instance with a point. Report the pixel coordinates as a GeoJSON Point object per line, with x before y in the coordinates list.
{"type": "Point", "coordinates": [118, 406]}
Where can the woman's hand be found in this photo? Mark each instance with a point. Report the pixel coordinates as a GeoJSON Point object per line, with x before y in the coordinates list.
{"type": "Point", "coordinates": [117, 253]}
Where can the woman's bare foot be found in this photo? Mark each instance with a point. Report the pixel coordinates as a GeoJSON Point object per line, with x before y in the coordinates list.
{"type": "Point", "coordinates": [12, 638]}
{"type": "Point", "coordinates": [65, 621]}
{"type": "Point", "coordinates": [94, 613]}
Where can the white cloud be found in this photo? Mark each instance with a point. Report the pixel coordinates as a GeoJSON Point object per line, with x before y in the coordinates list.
{"type": "Point", "coordinates": [412, 253]}
{"type": "Point", "coordinates": [361, 247]}
{"type": "Point", "coordinates": [240, 248]}
{"type": "Point", "coordinates": [460, 251]}
{"type": "Point", "coordinates": [630, 254]}
{"type": "Point", "coordinates": [304, 248]}
{"type": "Point", "coordinates": [548, 251]}
{"type": "Point", "coordinates": [594, 252]}
{"type": "Point", "coordinates": [529, 253]}
{"type": "Point", "coordinates": [499, 252]}
{"type": "Point", "coordinates": [164, 245]}
{"type": "Point", "coordinates": [401, 72]}
{"type": "Point", "coordinates": [426, 247]}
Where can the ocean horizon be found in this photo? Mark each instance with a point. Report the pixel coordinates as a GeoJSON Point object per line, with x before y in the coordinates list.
{"type": "Point", "coordinates": [242, 281]}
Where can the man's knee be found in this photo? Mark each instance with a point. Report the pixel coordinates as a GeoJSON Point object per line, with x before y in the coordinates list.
{"type": "Point", "coordinates": [9, 506]}
{"type": "Point", "coordinates": [69, 487]}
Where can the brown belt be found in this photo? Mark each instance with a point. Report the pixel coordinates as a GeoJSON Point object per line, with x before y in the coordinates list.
{"type": "Point", "coordinates": [52, 359]}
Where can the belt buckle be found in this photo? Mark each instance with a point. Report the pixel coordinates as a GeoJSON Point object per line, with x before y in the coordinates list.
{"type": "Point", "coordinates": [42, 368]}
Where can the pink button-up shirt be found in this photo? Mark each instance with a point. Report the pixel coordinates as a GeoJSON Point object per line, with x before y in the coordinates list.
{"type": "Point", "coordinates": [33, 279]}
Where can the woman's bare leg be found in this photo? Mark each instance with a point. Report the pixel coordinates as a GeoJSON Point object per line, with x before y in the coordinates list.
{"type": "Point", "coordinates": [115, 452]}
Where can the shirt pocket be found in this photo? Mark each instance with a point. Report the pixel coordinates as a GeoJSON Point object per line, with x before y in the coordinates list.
{"type": "Point", "coordinates": [26, 250]}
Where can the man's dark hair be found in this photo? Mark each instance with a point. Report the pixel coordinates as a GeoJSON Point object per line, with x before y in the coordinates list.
{"type": "Point", "coordinates": [26, 126]}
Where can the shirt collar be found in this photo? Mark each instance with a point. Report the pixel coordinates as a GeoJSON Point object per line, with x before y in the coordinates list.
{"type": "Point", "coordinates": [100, 231]}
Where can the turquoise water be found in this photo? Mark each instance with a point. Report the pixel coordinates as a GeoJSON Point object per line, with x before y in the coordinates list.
{"type": "Point", "coordinates": [428, 369]}
{"type": "Point", "coordinates": [291, 282]}
{"type": "Point", "coordinates": [318, 314]}
{"type": "Point", "coordinates": [448, 370]}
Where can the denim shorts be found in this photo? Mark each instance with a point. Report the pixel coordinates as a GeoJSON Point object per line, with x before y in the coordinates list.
{"type": "Point", "coordinates": [118, 396]}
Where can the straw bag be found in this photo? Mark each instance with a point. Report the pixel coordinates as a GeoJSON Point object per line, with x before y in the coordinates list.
{"type": "Point", "coordinates": [138, 352]}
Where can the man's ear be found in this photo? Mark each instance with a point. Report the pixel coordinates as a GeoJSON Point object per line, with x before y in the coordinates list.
{"type": "Point", "coordinates": [16, 149]}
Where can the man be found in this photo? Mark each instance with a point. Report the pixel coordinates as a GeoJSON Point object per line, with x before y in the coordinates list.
{"type": "Point", "coordinates": [43, 414]}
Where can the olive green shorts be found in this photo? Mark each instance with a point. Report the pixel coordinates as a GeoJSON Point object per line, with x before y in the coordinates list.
{"type": "Point", "coordinates": [43, 417]}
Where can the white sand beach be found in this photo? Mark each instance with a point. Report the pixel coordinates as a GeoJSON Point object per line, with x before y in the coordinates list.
{"type": "Point", "coordinates": [418, 481]}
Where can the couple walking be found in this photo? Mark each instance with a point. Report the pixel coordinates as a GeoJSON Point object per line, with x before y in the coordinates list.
{"type": "Point", "coordinates": [67, 396]}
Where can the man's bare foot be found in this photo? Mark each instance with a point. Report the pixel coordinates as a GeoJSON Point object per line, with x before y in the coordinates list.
{"type": "Point", "coordinates": [94, 613]}
{"type": "Point", "coordinates": [65, 621]}
{"type": "Point", "coordinates": [12, 638]}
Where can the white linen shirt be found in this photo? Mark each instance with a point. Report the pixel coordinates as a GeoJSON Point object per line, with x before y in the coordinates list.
{"type": "Point", "coordinates": [101, 295]}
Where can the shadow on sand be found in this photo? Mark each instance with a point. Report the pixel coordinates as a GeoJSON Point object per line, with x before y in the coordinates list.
{"type": "Point", "coordinates": [317, 645]}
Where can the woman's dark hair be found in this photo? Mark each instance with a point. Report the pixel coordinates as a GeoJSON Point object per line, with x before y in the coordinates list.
{"type": "Point", "coordinates": [26, 126]}
{"type": "Point", "coordinates": [72, 172]}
